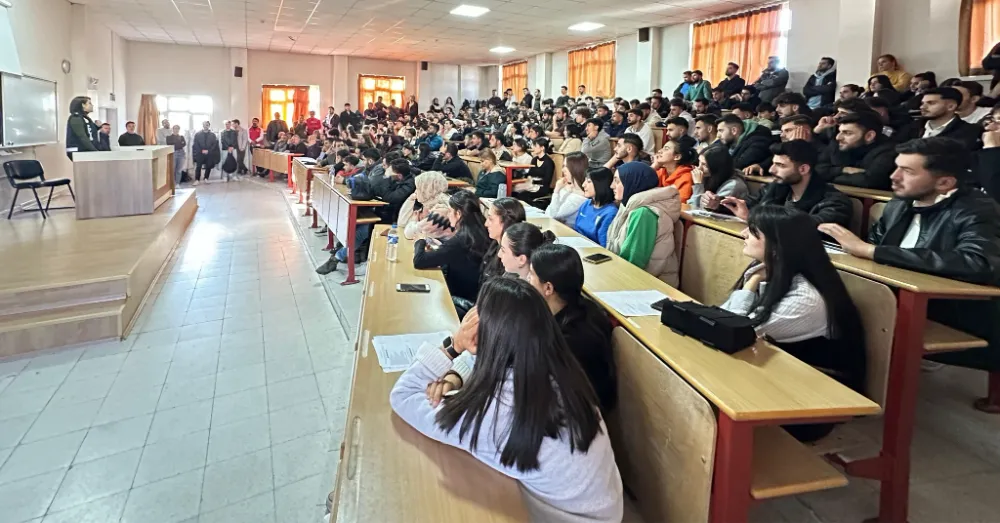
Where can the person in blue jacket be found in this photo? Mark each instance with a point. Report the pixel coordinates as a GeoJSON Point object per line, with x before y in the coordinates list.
{"type": "Point", "coordinates": [596, 214]}
{"type": "Point", "coordinates": [432, 138]}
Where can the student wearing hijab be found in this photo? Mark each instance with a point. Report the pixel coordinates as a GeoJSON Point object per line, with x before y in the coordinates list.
{"type": "Point", "coordinates": [431, 195]}
{"type": "Point", "coordinates": [643, 230]}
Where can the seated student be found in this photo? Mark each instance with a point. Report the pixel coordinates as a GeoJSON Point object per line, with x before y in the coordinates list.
{"type": "Point", "coordinates": [539, 175]}
{"type": "Point", "coordinates": [568, 195]}
{"type": "Point", "coordinates": [643, 230]}
{"type": "Point", "coordinates": [938, 111]}
{"type": "Point", "coordinates": [937, 224]}
{"type": "Point", "coordinates": [596, 214]}
{"type": "Point", "coordinates": [714, 179]}
{"type": "Point", "coordinates": [795, 185]}
{"type": "Point", "coordinates": [794, 296]}
{"type": "Point", "coordinates": [520, 151]}
{"type": "Point", "coordinates": [393, 188]}
{"type": "Point", "coordinates": [747, 141]}
{"type": "Point", "coordinates": [596, 144]}
{"type": "Point", "coordinates": [679, 129]}
{"type": "Point", "coordinates": [572, 134]}
{"type": "Point", "coordinates": [616, 125]}
{"type": "Point", "coordinates": [501, 214]}
{"type": "Point", "coordinates": [987, 161]}
{"type": "Point", "coordinates": [351, 169]}
{"type": "Point", "coordinates": [912, 98]}
{"type": "Point", "coordinates": [556, 272]}
{"type": "Point", "coordinates": [517, 244]}
{"type": "Point", "coordinates": [861, 156]}
{"type": "Point", "coordinates": [798, 127]}
{"type": "Point", "coordinates": [462, 253]}
{"type": "Point", "coordinates": [451, 165]}
{"type": "Point", "coordinates": [673, 165]}
{"type": "Point", "coordinates": [491, 177]}
{"type": "Point", "coordinates": [627, 149]}
{"type": "Point", "coordinates": [706, 132]}
{"type": "Point", "coordinates": [766, 115]}
{"type": "Point", "coordinates": [497, 143]}
{"type": "Point", "coordinates": [881, 87]}
{"type": "Point", "coordinates": [281, 144]}
{"type": "Point", "coordinates": [969, 110]}
{"type": "Point", "coordinates": [553, 440]}
{"type": "Point", "coordinates": [430, 195]}
{"type": "Point", "coordinates": [424, 160]}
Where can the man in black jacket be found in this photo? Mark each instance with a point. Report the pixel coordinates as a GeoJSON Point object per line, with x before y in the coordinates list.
{"type": "Point", "coordinates": [938, 225]}
{"type": "Point", "coordinates": [821, 87]}
{"type": "Point", "coordinates": [451, 165]}
{"type": "Point", "coordinates": [861, 155]}
{"type": "Point", "coordinates": [349, 117]}
{"type": "Point", "coordinates": [732, 84]}
{"type": "Point", "coordinates": [205, 152]}
{"type": "Point", "coordinates": [987, 161]}
{"type": "Point", "coordinates": [274, 127]}
{"type": "Point", "coordinates": [748, 142]}
{"type": "Point", "coordinates": [938, 110]}
{"type": "Point", "coordinates": [796, 186]}
{"type": "Point", "coordinates": [394, 188]}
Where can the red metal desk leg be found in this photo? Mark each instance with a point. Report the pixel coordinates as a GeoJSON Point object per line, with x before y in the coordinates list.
{"type": "Point", "coordinates": [510, 180]}
{"type": "Point", "coordinates": [309, 177]}
{"type": "Point", "coordinates": [314, 224]}
{"type": "Point", "coordinates": [352, 225]}
{"type": "Point", "coordinates": [329, 239]}
{"type": "Point", "coordinates": [733, 472]}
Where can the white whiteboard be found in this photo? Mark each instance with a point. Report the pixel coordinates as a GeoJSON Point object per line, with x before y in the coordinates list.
{"type": "Point", "coordinates": [28, 108]}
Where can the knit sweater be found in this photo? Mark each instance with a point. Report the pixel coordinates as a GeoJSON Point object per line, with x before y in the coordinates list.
{"type": "Point", "coordinates": [568, 487]}
{"type": "Point", "coordinates": [565, 205]}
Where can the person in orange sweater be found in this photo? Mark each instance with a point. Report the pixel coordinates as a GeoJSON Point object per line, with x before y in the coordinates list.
{"type": "Point", "coordinates": [673, 164]}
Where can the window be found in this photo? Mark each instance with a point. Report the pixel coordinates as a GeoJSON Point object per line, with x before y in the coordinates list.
{"type": "Point", "coordinates": [290, 101]}
{"type": "Point", "coordinates": [515, 77]}
{"type": "Point", "coordinates": [980, 32]}
{"type": "Point", "coordinates": [593, 67]}
{"type": "Point", "coordinates": [747, 39]}
{"type": "Point", "coordinates": [370, 87]}
{"type": "Point", "coordinates": [186, 111]}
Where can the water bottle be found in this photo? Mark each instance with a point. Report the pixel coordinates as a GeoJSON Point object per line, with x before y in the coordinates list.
{"type": "Point", "coordinates": [502, 191]}
{"type": "Point", "coordinates": [393, 244]}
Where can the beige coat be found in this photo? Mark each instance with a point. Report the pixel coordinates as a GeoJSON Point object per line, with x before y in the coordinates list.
{"type": "Point", "coordinates": [666, 204]}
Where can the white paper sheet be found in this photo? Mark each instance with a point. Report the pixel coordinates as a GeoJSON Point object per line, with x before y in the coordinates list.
{"type": "Point", "coordinates": [577, 242]}
{"type": "Point", "coordinates": [714, 215]}
{"type": "Point", "coordinates": [632, 303]}
{"type": "Point", "coordinates": [533, 212]}
{"type": "Point", "coordinates": [396, 353]}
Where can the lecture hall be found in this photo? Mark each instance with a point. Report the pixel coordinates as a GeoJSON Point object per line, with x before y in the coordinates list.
{"type": "Point", "coordinates": [336, 261]}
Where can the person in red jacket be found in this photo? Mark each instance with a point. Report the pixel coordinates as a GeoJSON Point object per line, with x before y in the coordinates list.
{"type": "Point", "coordinates": [313, 124]}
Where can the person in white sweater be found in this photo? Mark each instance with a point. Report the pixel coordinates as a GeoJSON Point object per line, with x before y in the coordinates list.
{"type": "Point", "coordinates": [568, 195]}
{"type": "Point", "coordinates": [552, 440]}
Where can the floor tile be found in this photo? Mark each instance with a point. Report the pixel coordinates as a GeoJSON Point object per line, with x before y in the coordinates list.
{"type": "Point", "coordinates": [286, 393]}
{"type": "Point", "coordinates": [287, 368]}
{"type": "Point", "coordinates": [240, 405]}
{"type": "Point", "coordinates": [185, 392]}
{"type": "Point", "coordinates": [39, 378]}
{"type": "Point", "coordinates": [41, 456]}
{"type": "Point", "coordinates": [54, 358]}
{"type": "Point", "coordinates": [258, 509]}
{"type": "Point", "coordinates": [300, 458]}
{"type": "Point", "coordinates": [234, 480]}
{"type": "Point", "coordinates": [238, 438]}
{"type": "Point", "coordinates": [169, 457]}
{"type": "Point", "coordinates": [168, 501]}
{"type": "Point", "coordinates": [17, 404]}
{"type": "Point", "coordinates": [237, 357]}
{"type": "Point", "coordinates": [101, 510]}
{"type": "Point", "coordinates": [300, 501]}
{"type": "Point", "coordinates": [297, 420]}
{"type": "Point", "coordinates": [128, 403]}
{"type": "Point", "coordinates": [201, 330]}
{"type": "Point", "coordinates": [56, 420]}
{"type": "Point", "coordinates": [112, 438]}
{"type": "Point", "coordinates": [81, 390]}
{"type": "Point", "coordinates": [239, 379]}
{"type": "Point", "coordinates": [90, 367]}
{"type": "Point", "coordinates": [13, 367]}
{"type": "Point", "coordinates": [102, 477]}
{"type": "Point", "coordinates": [157, 338]}
{"type": "Point", "coordinates": [13, 429]}
{"type": "Point", "coordinates": [178, 421]}
{"type": "Point", "coordinates": [30, 497]}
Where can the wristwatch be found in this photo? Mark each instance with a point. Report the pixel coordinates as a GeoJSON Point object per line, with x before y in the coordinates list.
{"type": "Point", "coordinates": [450, 348]}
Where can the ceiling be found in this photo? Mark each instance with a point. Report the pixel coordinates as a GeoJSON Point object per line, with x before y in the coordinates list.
{"type": "Point", "coordinates": [395, 29]}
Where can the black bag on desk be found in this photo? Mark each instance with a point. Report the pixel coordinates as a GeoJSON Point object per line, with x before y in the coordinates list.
{"type": "Point", "coordinates": [715, 327]}
{"type": "Point", "coordinates": [361, 189]}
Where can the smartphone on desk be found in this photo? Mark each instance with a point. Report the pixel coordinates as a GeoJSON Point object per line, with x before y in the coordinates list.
{"type": "Point", "coordinates": [413, 287]}
{"type": "Point", "coordinates": [597, 259]}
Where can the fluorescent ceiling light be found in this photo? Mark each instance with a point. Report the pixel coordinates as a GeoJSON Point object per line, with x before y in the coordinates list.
{"type": "Point", "coordinates": [501, 50]}
{"type": "Point", "coordinates": [585, 26]}
{"type": "Point", "coordinates": [469, 10]}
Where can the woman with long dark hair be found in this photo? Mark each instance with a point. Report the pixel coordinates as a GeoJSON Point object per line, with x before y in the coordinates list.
{"type": "Point", "coordinates": [517, 245]}
{"type": "Point", "coordinates": [594, 217]}
{"type": "Point", "coordinates": [539, 176]}
{"type": "Point", "coordinates": [462, 253]}
{"type": "Point", "coordinates": [715, 174]}
{"type": "Point", "coordinates": [527, 409]}
{"type": "Point", "coordinates": [796, 298]}
{"type": "Point", "coordinates": [879, 86]}
{"type": "Point", "coordinates": [568, 195]}
{"type": "Point", "coordinates": [502, 213]}
{"type": "Point", "coordinates": [81, 131]}
{"type": "Point", "coordinates": [424, 161]}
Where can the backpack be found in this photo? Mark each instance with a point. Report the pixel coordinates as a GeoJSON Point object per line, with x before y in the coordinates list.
{"type": "Point", "coordinates": [229, 166]}
{"type": "Point", "coordinates": [361, 189]}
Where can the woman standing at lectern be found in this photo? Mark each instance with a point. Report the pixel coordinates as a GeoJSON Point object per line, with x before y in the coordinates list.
{"type": "Point", "coordinates": [81, 131]}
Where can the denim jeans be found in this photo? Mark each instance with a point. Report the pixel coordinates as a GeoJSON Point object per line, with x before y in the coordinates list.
{"type": "Point", "coordinates": [179, 162]}
{"type": "Point", "coordinates": [361, 234]}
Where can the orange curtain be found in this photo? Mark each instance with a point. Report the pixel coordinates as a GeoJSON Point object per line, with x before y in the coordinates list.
{"type": "Point", "coordinates": [148, 120]}
{"type": "Point", "coordinates": [593, 67]}
{"type": "Point", "coordinates": [984, 30]}
{"type": "Point", "coordinates": [515, 76]}
{"type": "Point", "coordinates": [747, 39]}
{"type": "Point", "coordinates": [301, 100]}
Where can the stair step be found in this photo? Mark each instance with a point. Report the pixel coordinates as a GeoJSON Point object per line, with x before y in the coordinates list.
{"type": "Point", "coordinates": [15, 302]}
{"type": "Point", "coordinates": [28, 332]}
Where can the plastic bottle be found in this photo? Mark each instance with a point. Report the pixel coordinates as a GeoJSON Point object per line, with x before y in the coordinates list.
{"type": "Point", "coordinates": [501, 190]}
{"type": "Point", "coordinates": [393, 244]}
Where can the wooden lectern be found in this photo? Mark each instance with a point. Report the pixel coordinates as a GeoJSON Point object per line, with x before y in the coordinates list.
{"type": "Point", "coordinates": [124, 182]}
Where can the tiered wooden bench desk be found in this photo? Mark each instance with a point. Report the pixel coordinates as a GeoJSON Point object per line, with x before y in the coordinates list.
{"type": "Point", "coordinates": [332, 203]}
{"type": "Point", "coordinates": [302, 174]}
{"type": "Point", "coordinates": [274, 162]}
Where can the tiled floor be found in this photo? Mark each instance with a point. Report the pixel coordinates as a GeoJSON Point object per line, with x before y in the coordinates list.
{"type": "Point", "coordinates": [226, 403]}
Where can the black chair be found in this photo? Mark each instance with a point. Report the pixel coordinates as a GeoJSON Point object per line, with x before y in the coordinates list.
{"type": "Point", "coordinates": [28, 174]}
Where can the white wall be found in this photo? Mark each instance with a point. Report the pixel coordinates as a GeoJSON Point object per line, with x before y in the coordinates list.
{"type": "Point", "coordinates": [923, 34]}
{"type": "Point", "coordinates": [470, 79]}
{"type": "Point", "coordinates": [810, 18]}
{"type": "Point", "coordinates": [490, 80]}
{"type": "Point", "coordinates": [267, 68]}
{"type": "Point", "coordinates": [625, 69]}
{"type": "Point", "coordinates": [439, 81]}
{"type": "Point", "coordinates": [560, 73]}
{"type": "Point", "coordinates": [675, 55]}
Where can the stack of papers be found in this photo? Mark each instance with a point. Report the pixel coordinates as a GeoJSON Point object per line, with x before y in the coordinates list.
{"type": "Point", "coordinates": [632, 303]}
{"type": "Point", "coordinates": [701, 213]}
{"type": "Point", "coordinates": [396, 353]}
{"type": "Point", "coordinates": [533, 212]}
{"type": "Point", "coordinates": [577, 242]}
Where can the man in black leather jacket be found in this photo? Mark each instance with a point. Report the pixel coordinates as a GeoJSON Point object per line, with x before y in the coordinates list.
{"type": "Point", "coordinates": [860, 156]}
{"type": "Point", "coordinates": [937, 224]}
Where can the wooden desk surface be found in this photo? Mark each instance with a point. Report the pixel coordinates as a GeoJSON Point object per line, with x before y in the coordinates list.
{"type": "Point", "coordinates": [759, 383]}
{"type": "Point", "coordinates": [856, 192]}
{"type": "Point", "coordinates": [891, 276]}
{"type": "Point", "coordinates": [345, 192]}
{"type": "Point", "coordinates": [389, 471]}
{"type": "Point", "coordinates": [310, 166]}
